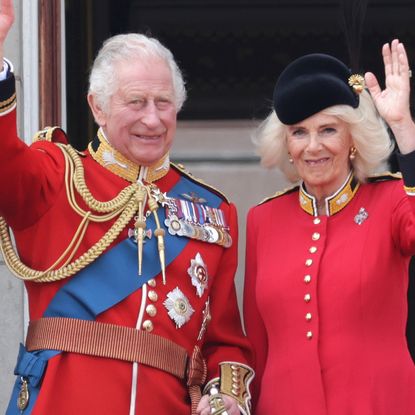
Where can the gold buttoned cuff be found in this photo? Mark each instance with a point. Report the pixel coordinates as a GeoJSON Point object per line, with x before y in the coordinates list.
{"type": "Point", "coordinates": [234, 381]}
{"type": "Point", "coordinates": [410, 190]}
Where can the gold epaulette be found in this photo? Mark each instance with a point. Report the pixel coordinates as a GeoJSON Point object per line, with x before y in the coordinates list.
{"type": "Point", "coordinates": [51, 134]}
{"type": "Point", "coordinates": [279, 193]}
{"type": "Point", "coordinates": [384, 176]}
{"type": "Point", "coordinates": [190, 176]}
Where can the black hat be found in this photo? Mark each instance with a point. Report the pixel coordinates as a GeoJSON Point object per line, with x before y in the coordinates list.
{"type": "Point", "coordinates": [312, 83]}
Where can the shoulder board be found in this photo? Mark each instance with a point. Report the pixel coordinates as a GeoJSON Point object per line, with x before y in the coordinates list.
{"type": "Point", "coordinates": [280, 193]}
{"type": "Point", "coordinates": [384, 177]}
{"type": "Point", "coordinates": [189, 175]}
{"type": "Point", "coordinates": [51, 134]}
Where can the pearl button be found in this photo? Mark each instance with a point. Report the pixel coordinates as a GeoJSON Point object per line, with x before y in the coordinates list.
{"type": "Point", "coordinates": [313, 249]}
{"type": "Point", "coordinates": [316, 221]}
{"type": "Point", "coordinates": [307, 279]}
{"type": "Point", "coordinates": [309, 335]}
{"type": "Point", "coordinates": [308, 316]}
{"type": "Point", "coordinates": [307, 298]}
{"type": "Point", "coordinates": [309, 262]}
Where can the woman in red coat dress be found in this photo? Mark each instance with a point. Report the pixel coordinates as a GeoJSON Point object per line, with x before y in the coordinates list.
{"type": "Point", "coordinates": [327, 261]}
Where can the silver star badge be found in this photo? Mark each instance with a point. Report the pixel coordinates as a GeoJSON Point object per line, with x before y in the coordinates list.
{"type": "Point", "coordinates": [178, 307]}
{"type": "Point", "coordinates": [198, 273]}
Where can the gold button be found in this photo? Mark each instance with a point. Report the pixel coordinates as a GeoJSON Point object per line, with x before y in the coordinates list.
{"type": "Point", "coordinates": [307, 298]}
{"type": "Point", "coordinates": [313, 249]}
{"type": "Point", "coordinates": [152, 295]}
{"type": "Point", "coordinates": [316, 236]}
{"type": "Point", "coordinates": [151, 310]}
{"type": "Point", "coordinates": [309, 262]}
{"type": "Point", "coordinates": [309, 335]}
{"type": "Point", "coordinates": [235, 392]}
{"type": "Point", "coordinates": [308, 316]}
{"type": "Point", "coordinates": [152, 282]}
{"type": "Point", "coordinates": [307, 279]}
{"type": "Point", "coordinates": [316, 221]}
{"type": "Point", "coordinates": [148, 325]}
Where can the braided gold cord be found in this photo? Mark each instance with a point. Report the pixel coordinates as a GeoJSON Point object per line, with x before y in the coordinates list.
{"type": "Point", "coordinates": [125, 204]}
{"type": "Point", "coordinates": [79, 179]}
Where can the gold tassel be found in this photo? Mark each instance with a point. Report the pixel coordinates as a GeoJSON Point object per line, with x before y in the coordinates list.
{"type": "Point", "coordinates": [140, 225]}
{"type": "Point", "coordinates": [159, 233]}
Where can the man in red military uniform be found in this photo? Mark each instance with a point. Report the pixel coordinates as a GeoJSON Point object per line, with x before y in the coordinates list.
{"type": "Point", "coordinates": [128, 261]}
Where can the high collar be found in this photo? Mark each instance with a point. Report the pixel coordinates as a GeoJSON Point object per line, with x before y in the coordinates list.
{"type": "Point", "coordinates": [334, 203]}
{"type": "Point", "coordinates": [108, 157]}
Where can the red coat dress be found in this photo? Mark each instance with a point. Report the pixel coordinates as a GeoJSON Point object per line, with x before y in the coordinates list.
{"type": "Point", "coordinates": [325, 302]}
{"type": "Point", "coordinates": [34, 202]}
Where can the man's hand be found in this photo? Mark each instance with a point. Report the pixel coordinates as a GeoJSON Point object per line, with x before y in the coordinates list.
{"type": "Point", "coordinates": [230, 405]}
{"type": "Point", "coordinates": [6, 22]}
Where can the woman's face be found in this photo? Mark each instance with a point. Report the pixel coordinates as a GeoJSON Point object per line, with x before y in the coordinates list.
{"type": "Point", "coordinates": [320, 147]}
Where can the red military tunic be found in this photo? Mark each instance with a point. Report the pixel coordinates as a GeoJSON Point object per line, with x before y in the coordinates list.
{"type": "Point", "coordinates": [34, 202]}
{"type": "Point", "coordinates": [325, 302]}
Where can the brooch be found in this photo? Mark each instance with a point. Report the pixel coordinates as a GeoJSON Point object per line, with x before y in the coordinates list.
{"type": "Point", "coordinates": [361, 216]}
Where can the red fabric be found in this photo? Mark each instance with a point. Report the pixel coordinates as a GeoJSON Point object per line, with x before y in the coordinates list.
{"type": "Point", "coordinates": [34, 202]}
{"type": "Point", "coordinates": [357, 362]}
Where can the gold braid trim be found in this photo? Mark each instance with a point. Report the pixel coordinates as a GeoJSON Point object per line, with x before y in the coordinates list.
{"type": "Point", "coordinates": [124, 204]}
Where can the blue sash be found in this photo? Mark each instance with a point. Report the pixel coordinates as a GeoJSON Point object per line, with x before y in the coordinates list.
{"type": "Point", "coordinates": [93, 291]}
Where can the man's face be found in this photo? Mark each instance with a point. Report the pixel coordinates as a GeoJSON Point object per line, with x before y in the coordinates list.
{"type": "Point", "coordinates": [140, 121]}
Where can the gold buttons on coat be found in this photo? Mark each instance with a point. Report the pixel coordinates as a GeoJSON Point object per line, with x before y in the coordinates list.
{"type": "Point", "coordinates": [315, 236]}
{"type": "Point", "coordinates": [152, 283]}
{"type": "Point", "coordinates": [152, 295]}
{"type": "Point", "coordinates": [307, 279]}
{"type": "Point", "coordinates": [308, 316]}
{"type": "Point", "coordinates": [309, 262]}
{"type": "Point", "coordinates": [309, 335]}
{"type": "Point", "coordinates": [151, 310]}
{"type": "Point", "coordinates": [148, 325]}
{"type": "Point", "coordinates": [307, 298]}
{"type": "Point", "coordinates": [316, 221]}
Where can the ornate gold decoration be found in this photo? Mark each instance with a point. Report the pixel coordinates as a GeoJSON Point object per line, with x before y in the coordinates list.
{"type": "Point", "coordinates": [124, 205]}
{"type": "Point", "coordinates": [234, 381]}
{"type": "Point", "coordinates": [7, 105]}
{"type": "Point", "coordinates": [357, 82]}
{"type": "Point", "coordinates": [114, 161]}
{"type": "Point", "coordinates": [217, 406]}
{"type": "Point", "coordinates": [23, 397]}
{"type": "Point", "coordinates": [334, 203]}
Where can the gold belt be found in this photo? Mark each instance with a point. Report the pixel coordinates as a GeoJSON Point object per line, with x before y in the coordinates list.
{"type": "Point", "coordinates": [118, 342]}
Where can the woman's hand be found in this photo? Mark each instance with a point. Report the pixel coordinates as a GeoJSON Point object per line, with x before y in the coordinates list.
{"type": "Point", "coordinates": [392, 103]}
{"type": "Point", "coordinates": [230, 404]}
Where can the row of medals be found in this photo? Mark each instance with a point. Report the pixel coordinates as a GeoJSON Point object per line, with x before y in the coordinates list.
{"type": "Point", "coordinates": [181, 219]}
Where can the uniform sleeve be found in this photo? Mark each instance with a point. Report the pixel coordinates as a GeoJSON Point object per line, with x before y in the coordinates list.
{"type": "Point", "coordinates": [29, 176]}
{"type": "Point", "coordinates": [226, 347]}
{"type": "Point", "coordinates": [253, 322]}
{"type": "Point", "coordinates": [403, 214]}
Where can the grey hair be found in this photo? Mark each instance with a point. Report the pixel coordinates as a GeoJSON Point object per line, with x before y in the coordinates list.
{"type": "Point", "coordinates": [103, 77]}
{"type": "Point", "coordinates": [369, 135]}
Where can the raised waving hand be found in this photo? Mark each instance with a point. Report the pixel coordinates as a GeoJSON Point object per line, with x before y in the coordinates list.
{"type": "Point", "coordinates": [392, 102]}
{"type": "Point", "coordinates": [6, 22]}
